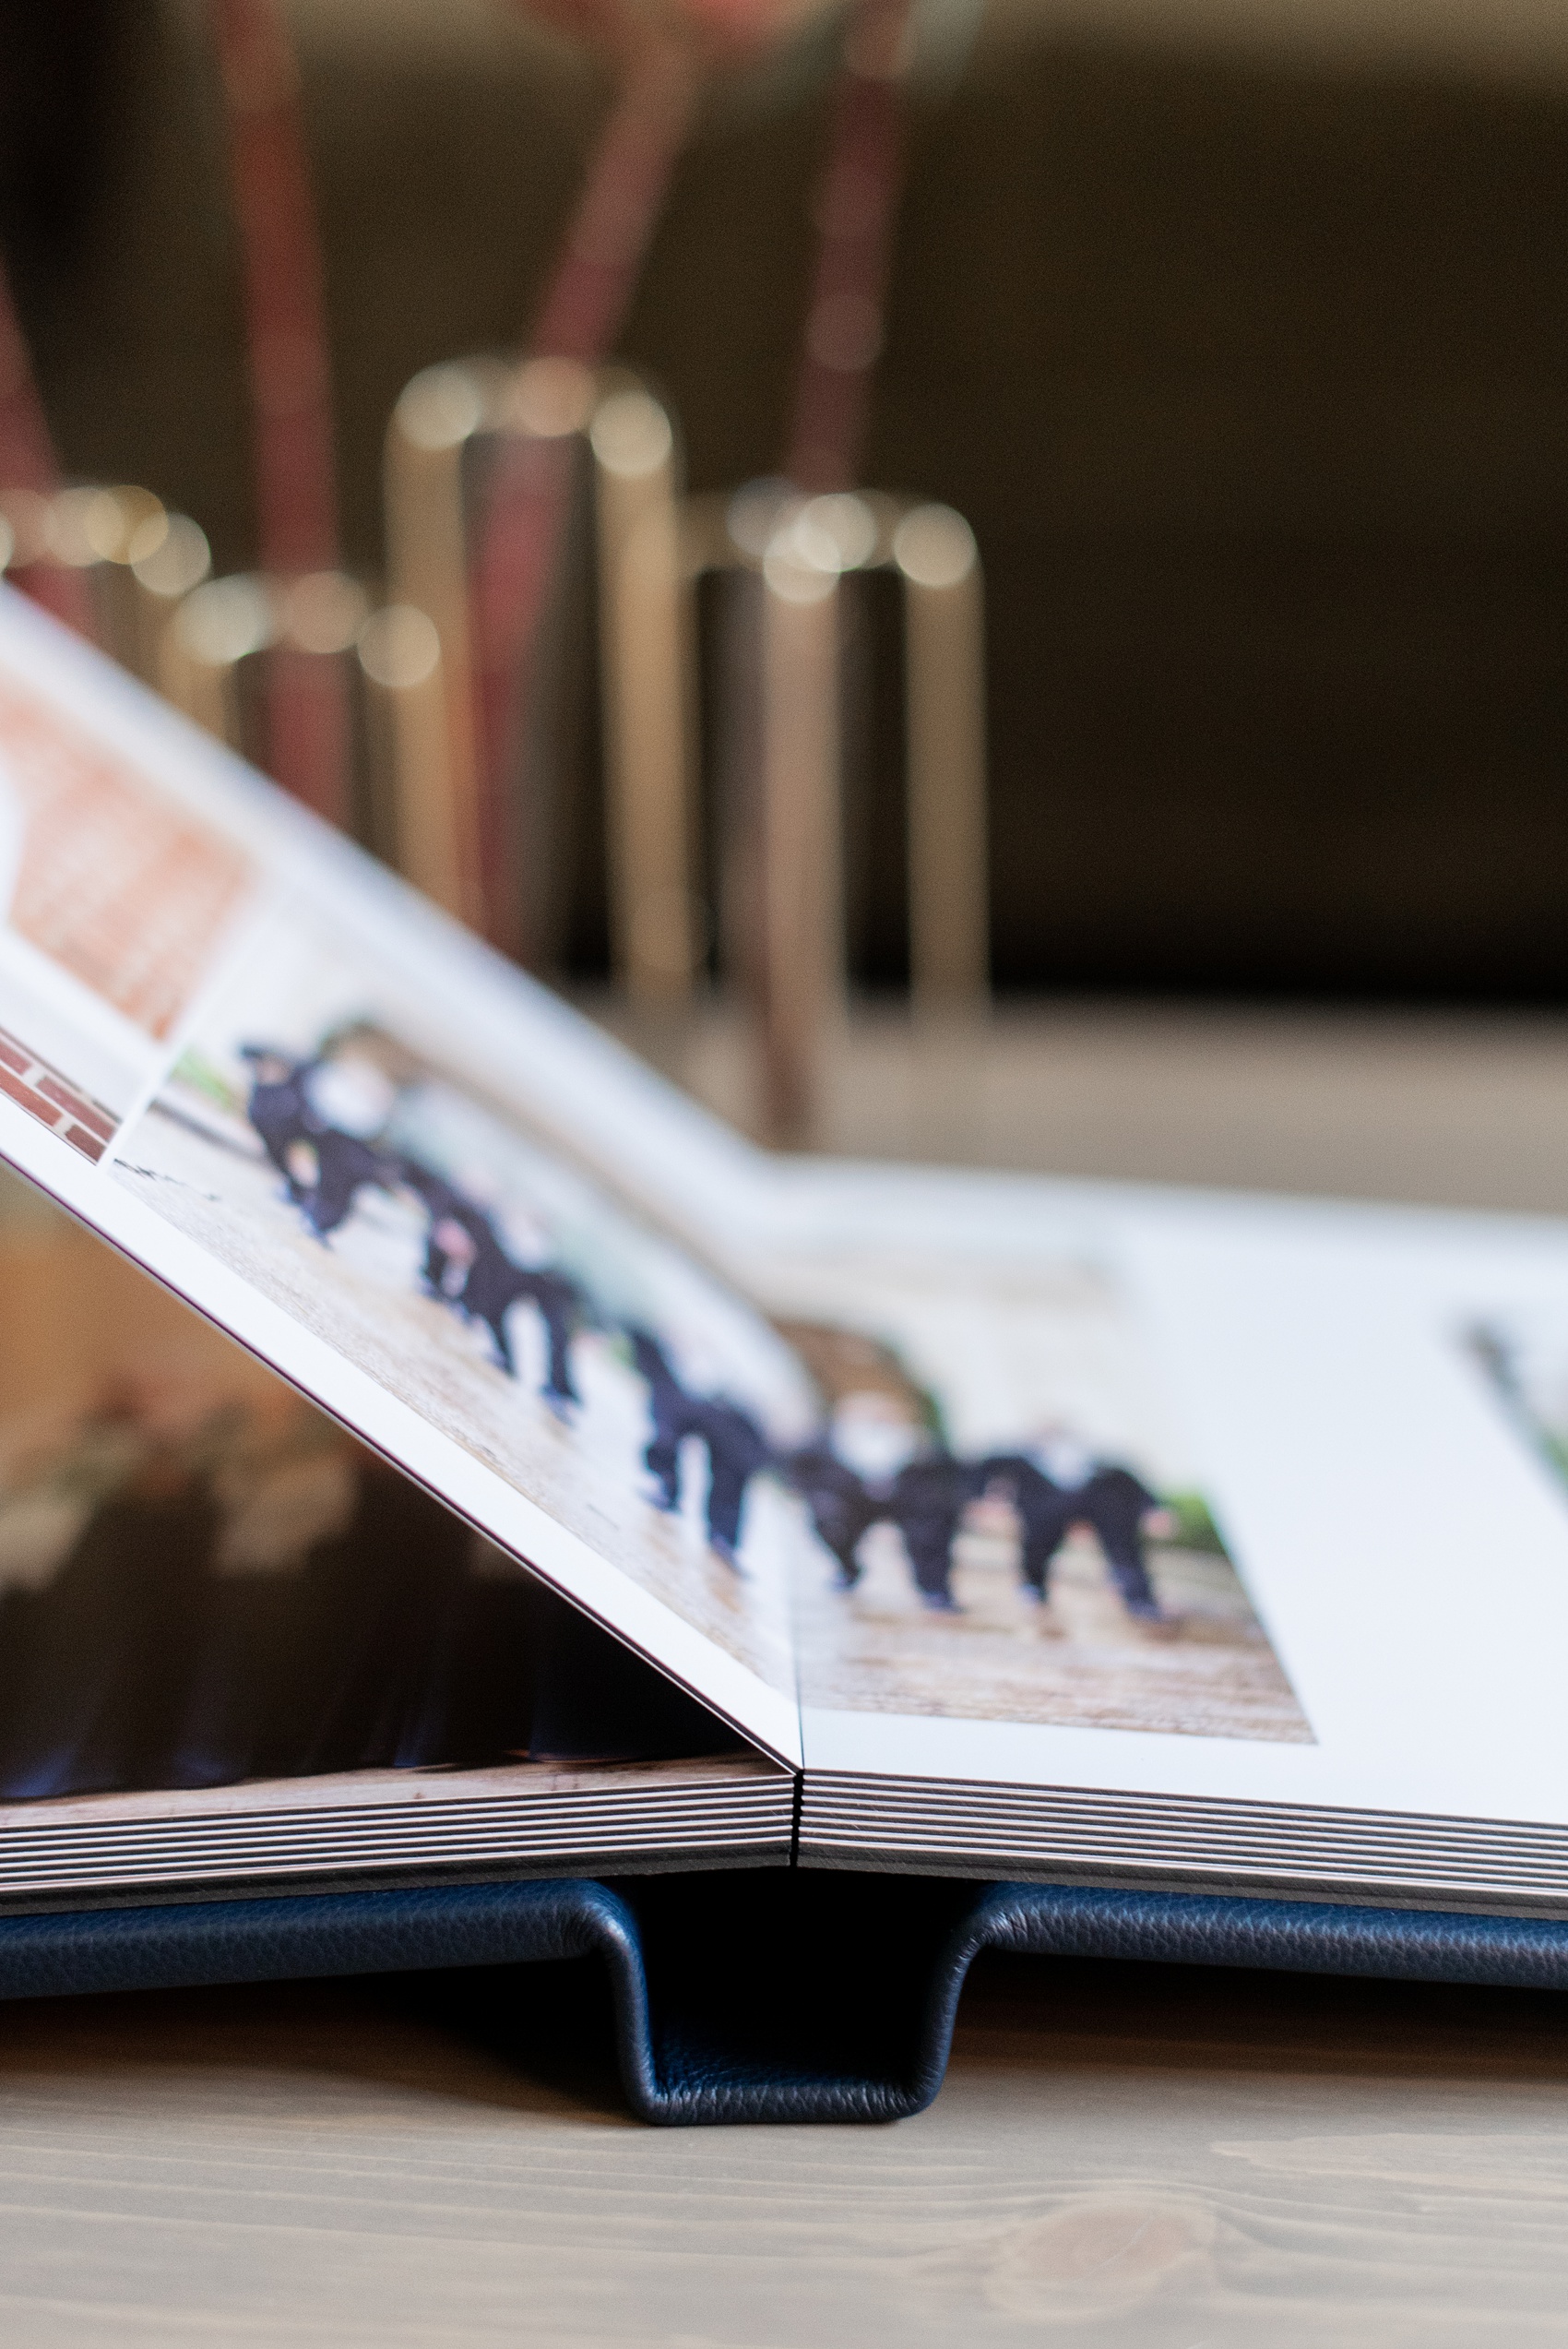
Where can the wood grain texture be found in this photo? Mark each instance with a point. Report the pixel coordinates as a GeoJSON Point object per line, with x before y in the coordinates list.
{"type": "Point", "coordinates": [1122, 2155]}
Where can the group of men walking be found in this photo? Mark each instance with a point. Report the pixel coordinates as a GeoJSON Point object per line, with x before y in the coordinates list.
{"type": "Point", "coordinates": [468, 1266]}
{"type": "Point", "coordinates": [929, 1499]}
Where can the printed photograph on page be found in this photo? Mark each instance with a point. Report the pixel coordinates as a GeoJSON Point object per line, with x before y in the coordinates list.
{"type": "Point", "coordinates": [315, 1136]}
{"type": "Point", "coordinates": [1008, 1523]}
{"type": "Point", "coordinates": [112, 904]}
{"type": "Point", "coordinates": [117, 906]}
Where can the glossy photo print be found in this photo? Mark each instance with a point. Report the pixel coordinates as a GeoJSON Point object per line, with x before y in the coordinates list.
{"type": "Point", "coordinates": [315, 1140]}
{"type": "Point", "coordinates": [1009, 1526]}
{"type": "Point", "coordinates": [112, 898]}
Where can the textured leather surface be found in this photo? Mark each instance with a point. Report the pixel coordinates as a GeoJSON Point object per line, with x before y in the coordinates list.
{"type": "Point", "coordinates": [343, 1933]}
{"type": "Point", "coordinates": [772, 1996]}
{"type": "Point", "coordinates": [1179, 1928]}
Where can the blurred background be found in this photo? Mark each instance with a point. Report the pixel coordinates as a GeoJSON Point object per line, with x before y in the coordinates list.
{"type": "Point", "coordinates": [1234, 331]}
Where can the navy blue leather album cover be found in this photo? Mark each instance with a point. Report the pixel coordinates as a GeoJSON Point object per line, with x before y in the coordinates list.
{"type": "Point", "coordinates": [759, 1998]}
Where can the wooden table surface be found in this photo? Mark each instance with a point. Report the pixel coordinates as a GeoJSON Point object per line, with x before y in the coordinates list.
{"type": "Point", "coordinates": [1122, 2155]}
{"type": "Point", "coordinates": [1161, 2157]}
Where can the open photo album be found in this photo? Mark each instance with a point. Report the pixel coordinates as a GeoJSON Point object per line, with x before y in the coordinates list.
{"type": "Point", "coordinates": [433, 1449]}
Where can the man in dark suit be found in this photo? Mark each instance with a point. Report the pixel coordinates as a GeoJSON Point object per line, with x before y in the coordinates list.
{"type": "Point", "coordinates": [324, 1168]}
{"type": "Point", "coordinates": [1102, 1494]}
{"type": "Point", "coordinates": [447, 1206]}
{"type": "Point", "coordinates": [841, 1505]}
{"type": "Point", "coordinates": [1122, 1510]}
{"type": "Point", "coordinates": [1046, 1512]}
{"type": "Point", "coordinates": [467, 1267]}
{"type": "Point", "coordinates": [927, 1505]}
{"type": "Point", "coordinates": [280, 1110]}
{"type": "Point", "coordinates": [344, 1167]}
{"type": "Point", "coordinates": [924, 1497]}
{"type": "Point", "coordinates": [737, 1450]}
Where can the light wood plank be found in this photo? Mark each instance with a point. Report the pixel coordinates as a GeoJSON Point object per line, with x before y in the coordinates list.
{"type": "Point", "coordinates": [1122, 2155]}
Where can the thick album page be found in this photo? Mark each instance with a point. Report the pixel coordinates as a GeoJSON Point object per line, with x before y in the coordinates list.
{"type": "Point", "coordinates": [1251, 1516]}
{"type": "Point", "coordinates": [277, 1080]}
{"type": "Point", "coordinates": [237, 1646]}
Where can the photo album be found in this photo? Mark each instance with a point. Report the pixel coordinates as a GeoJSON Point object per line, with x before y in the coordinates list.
{"type": "Point", "coordinates": [433, 1449]}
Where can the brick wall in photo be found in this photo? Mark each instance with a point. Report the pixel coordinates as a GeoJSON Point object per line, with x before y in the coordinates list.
{"type": "Point", "coordinates": [53, 1100]}
{"type": "Point", "coordinates": [117, 884]}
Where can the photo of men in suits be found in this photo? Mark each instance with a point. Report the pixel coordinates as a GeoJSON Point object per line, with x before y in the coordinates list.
{"type": "Point", "coordinates": [1041, 1560]}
